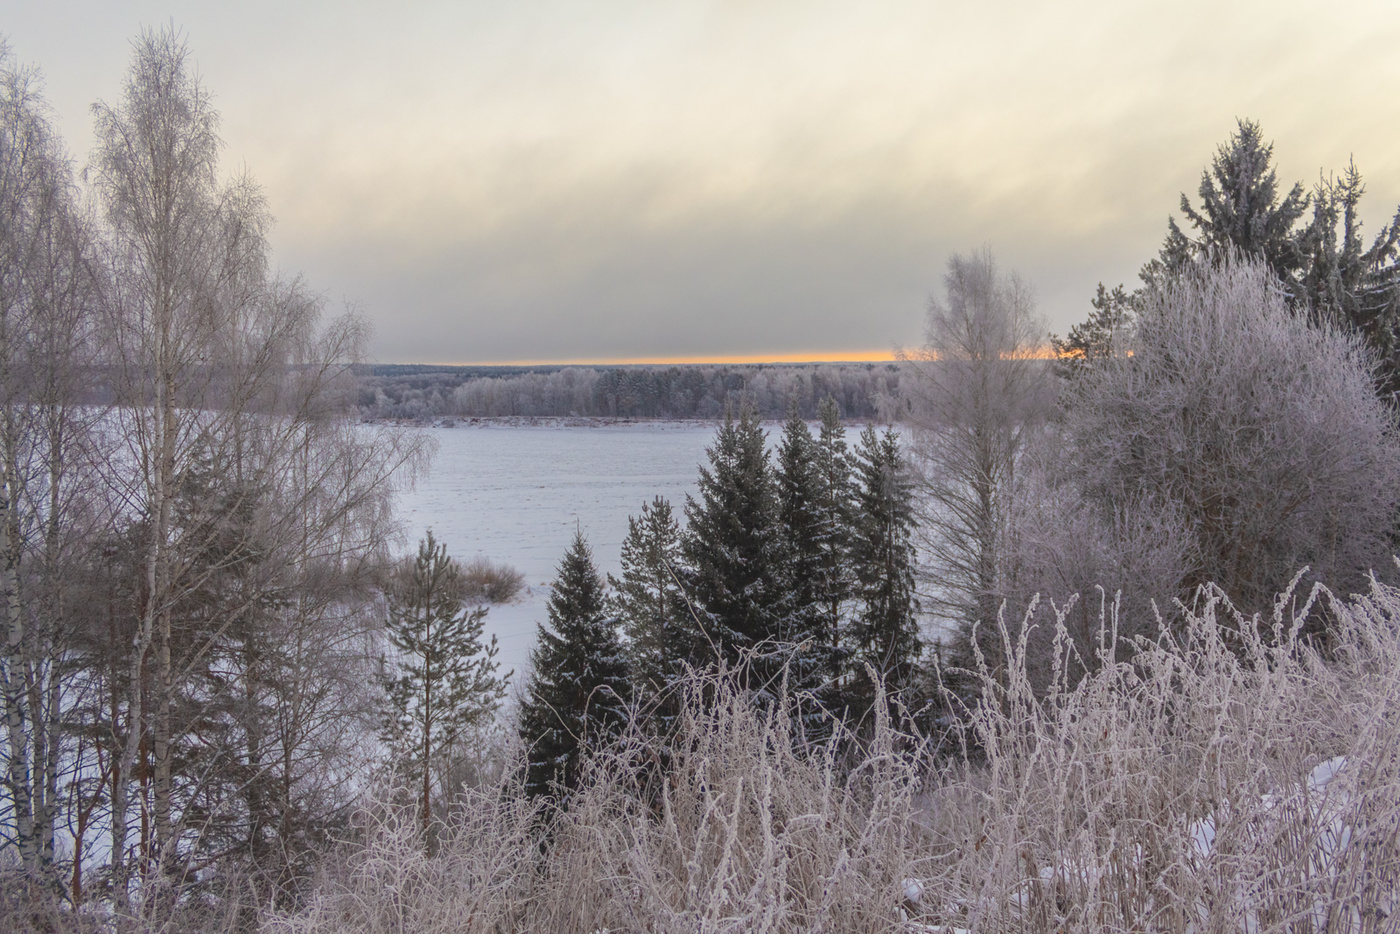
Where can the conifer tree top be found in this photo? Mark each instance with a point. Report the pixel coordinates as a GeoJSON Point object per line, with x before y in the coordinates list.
{"type": "Point", "coordinates": [577, 593]}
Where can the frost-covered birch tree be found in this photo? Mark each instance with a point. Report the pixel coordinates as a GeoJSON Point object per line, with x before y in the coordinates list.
{"type": "Point", "coordinates": [225, 372]}
{"type": "Point", "coordinates": [978, 391]}
{"type": "Point", "coordinates": [49, 504]}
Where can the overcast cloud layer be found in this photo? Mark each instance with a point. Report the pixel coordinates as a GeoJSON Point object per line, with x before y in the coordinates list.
{"type": "Point", "coordinates": [571, 180]}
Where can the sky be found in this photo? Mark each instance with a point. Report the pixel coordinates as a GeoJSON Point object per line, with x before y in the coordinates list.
{"type": "Point", "coordinates": [610, 181]}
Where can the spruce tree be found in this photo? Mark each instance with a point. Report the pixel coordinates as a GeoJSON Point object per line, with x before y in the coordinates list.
{"type": "Point", "coordinates": [1240, 210]}
{"type": "Point", "coordinates": [1350, 283]}
{"type": "Point", "coordinates": [733, 550]}
{"type": "Point", "coordinates": [578, 694]}
{"type": "Point", "coordinates": [834, 513]}
{"type": "Point", "coordinates": [1325, 266]}
{"type": "Point", "coordinates": [442, 678]}
{"type": "Point", "coordinates": [799, 492]}
{"type": "Point", "coordinates": [885, 632]}
{"type": "Point", "coordinates": [647, 599]}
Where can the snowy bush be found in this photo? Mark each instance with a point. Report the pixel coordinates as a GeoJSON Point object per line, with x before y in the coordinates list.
{"type": "Point", "coordinates": [1256, 432]}
{"type": "Point", "coordinates": [1181, 791]}
{"type": "Point", "coordinates": [485, 581]}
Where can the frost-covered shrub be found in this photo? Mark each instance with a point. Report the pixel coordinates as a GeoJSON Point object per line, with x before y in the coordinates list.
{"type": "Point", "coordinates": [1194, 788]}
{"type": "Point", "coordinates": [1085, 560]}
{"type": "Point", "coordinates": [1262, 434]}
{"type": "Point", "coordinates": [487, 582]}
{"type": "Point", "coordinates": [1194, 785]}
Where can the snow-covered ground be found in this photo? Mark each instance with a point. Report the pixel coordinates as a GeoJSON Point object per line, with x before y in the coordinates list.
{"type": "Point", "coordinates": [516, 493]}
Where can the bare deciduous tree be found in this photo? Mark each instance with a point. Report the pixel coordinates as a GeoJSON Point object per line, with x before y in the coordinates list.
{"type": "Point", "coordinates": [978, 390]}
{"type": "Point", "coordinates": [256, 504]}
{"type": "Point", "coordinates": [45, 501]}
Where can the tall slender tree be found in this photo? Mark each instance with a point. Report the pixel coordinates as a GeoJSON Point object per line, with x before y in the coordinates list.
{"type": "Point", "coordinates": [213, 361]}
{"type": "Point", "coordinates": [885, 631]}
{"type": "Point", "coordinates": [834, 516]}
{"type": "Point", "coordinates": [978, 394]}
{"type": "Point", "coordinates": [442, 678]}
{"type": "Point", "coordinates": [733, 548]}
{"type": "Point", "coordinates": [48, 495]}
{"type": "Point", "coordinates": [579, 692]}
{"type": "Point", "coordinates": [799, 494]}
{"type": "Point", "coordinates": [186, 251]}
{"type": "Point", "coordinates": [647, 599]}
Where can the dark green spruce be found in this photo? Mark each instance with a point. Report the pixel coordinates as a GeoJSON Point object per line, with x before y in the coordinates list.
{"type": "Point", "coordinates": [885, 631]}
{"type": "Point", "coordinates": [661, 634]}
{"type": "Point", "coordinates": [733, 546]}
{"type": "Point", "coordinates": [800, 517]}
{"type": "Point", "coordinates": [579, 694]}
{"type": "Point", "coordinates": [834, 508]}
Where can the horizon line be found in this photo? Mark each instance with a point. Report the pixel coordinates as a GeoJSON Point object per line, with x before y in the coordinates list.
{"type": "Point", "coordinates": [855, 356]}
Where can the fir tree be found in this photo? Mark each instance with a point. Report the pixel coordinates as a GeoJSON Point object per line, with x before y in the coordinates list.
{"type": "Point", "coordinates": [799, 491]}
{"type": "Point", "coordinates": [442, 678]}
{"type": "Point", "coordinates": [1325, 266]}
{"type": "Point", "coordinates": [578, 694]}
{"type": "Point", "coordinates": [833, 508]}
{"type": "Point", "coordinates": [661, 636]}
{"type": "Point", "coordinates": [885, 632]}
{"type": "Point", "coordinates": [733, 549]}
{"type": "Point", "coordinates": [1352, 284]}
{"type": "Point", "coordinates": [1240, 210]}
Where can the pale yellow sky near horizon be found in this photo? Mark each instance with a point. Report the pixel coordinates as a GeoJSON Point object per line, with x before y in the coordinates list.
{"type": "Point", "coordinates": [551, 180]}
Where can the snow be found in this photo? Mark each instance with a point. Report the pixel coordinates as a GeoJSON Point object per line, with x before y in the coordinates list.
{"type": "Point", "coordinates": [515, 494]}
{"type": "Point", "coordinates": [1324, 773]}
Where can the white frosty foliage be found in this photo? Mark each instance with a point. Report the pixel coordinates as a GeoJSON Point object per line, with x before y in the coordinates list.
{"type": "Point", "coordinates": [1260, 431]}
{"type": "Point", "coordinates": [1234, 776]}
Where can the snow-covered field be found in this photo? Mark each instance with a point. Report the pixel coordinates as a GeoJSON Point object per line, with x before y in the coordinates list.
{"type": "Point", "coordinates": [515, 494]}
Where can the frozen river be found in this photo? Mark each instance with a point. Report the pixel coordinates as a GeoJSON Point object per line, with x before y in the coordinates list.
{"type": "Point", "coordinates": [515, 494]}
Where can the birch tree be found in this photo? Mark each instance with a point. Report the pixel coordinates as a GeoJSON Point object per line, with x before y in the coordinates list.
{"type": "Point", "coordinates": [978, 392]}
{"type": "Point", "coordinates": [220, 366]}
{"type": "Point", "coordinates": [46, 497]}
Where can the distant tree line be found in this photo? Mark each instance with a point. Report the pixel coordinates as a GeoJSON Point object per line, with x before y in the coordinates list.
{"type": "Point", "coordinates": [703, 391]}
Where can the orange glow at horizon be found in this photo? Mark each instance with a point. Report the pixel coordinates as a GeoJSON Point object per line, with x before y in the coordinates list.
{"type": "Point", "coordinates": [848, 356]}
